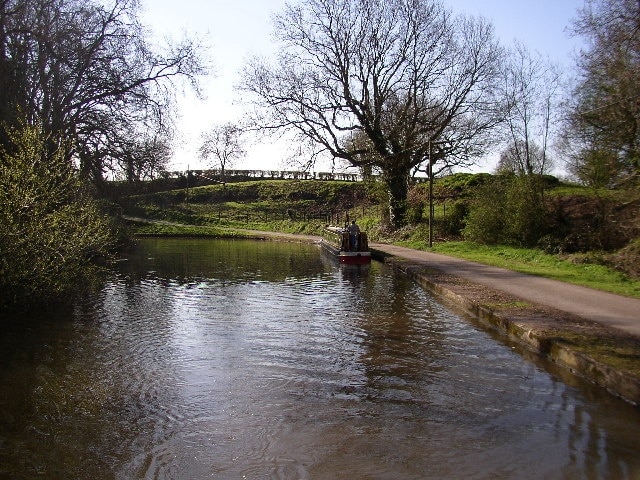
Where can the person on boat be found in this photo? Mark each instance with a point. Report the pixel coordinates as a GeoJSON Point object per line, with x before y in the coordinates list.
{"type": "Point", "coordinates": [354, 231]}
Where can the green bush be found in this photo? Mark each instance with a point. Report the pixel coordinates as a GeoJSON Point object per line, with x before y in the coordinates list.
{"type": "Point", "coordinates": [415, 212]}
{"type": "Point", "coordinates": [51, 231]}
{"type": "Point", "coordinates": [485, 221]}
{"type": "Point", "coordinates": [454, 221]}
{"type": "Point", "coordinates": [525, 214]}
{"type": "Point", "coordinates": [509, 210]}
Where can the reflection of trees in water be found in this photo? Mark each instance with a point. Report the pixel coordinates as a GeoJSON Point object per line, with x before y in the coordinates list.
{"type": "Point", "coordinates": [403, 339]}
{"type": "Point", "coordinates": [75, 386]}
{"type": "Point", "coordinates": [185, 261]}
{"type": "Point", "coordinates": [594, 451]}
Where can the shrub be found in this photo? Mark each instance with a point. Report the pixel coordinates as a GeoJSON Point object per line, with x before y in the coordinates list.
{"type": "Point", "coordinates": [509, 210]}
{"type": "Point", "coordinates": [50, 229]}
{"type": "Point", "coordinates": [485, 221]}
{"type": "Point", "coordinates": [454, 221]}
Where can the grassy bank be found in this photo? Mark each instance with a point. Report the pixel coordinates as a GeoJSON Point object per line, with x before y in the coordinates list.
{"type": "Point", "coordinates": [151, 229]}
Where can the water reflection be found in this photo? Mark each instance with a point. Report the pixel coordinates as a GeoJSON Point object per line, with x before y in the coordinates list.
{"type": "Point", "coordinates": [185, 261]}
{"type": "Point", "coordinates": [207, 359]}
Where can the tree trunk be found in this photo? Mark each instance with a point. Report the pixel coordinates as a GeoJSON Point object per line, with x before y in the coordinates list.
{"type": "Point", "coordinates": [397, 189]}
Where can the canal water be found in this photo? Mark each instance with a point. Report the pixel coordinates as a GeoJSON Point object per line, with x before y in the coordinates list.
{"type": "Point", "coordinates": [236, 359]}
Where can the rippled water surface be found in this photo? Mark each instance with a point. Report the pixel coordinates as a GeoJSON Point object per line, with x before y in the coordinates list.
{"type": "Point", "coordinates": [233, 359]}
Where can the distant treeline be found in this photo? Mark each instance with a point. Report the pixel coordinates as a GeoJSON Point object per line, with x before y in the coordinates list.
{"type": "Point", "coordinates": [198, 178]}
{"type": "Point", "coordinates": [245, 175]}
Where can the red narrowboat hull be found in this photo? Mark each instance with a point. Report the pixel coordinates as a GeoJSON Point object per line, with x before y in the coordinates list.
{"type": "Point", "coordinates": [345, 256]}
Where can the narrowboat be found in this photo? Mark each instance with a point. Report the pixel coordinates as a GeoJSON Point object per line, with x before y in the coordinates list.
{"type": "Point", "coordinates": [337, 242]}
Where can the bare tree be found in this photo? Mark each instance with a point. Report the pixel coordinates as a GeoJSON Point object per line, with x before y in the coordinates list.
{"type": "Point", "coordinates": [223, 145]}
{"type": "Point", "coordinates": [521, 159]}
{"type": "Point", "coordinates": [86, 71]}
{"type": "Point", "coordinates": [144, 157]}
{"type": "Point", "coordinates": [408, 77]}
{"type": "Point", "coordinates": [531, 88]}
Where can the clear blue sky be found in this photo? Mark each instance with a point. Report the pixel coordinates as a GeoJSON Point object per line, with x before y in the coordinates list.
{"type": "Point", "coordinates": [239, 28]}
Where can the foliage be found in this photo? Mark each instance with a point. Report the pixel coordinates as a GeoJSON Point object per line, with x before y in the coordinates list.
{"type": "Point", "coordinates": [485, 221]}
{"type": "Point", "coordinates": [415, 212]}
{"type": "Point", "coordinates": [589, 220]}
{"type": "Point", "coordinates": [454, 222]}
{"type": "Point", "coordinates": [594, 166]}
{"type": "Point", "coordinates": [50, 229]}
{"type": "Point", "coordinates": [510, 210]}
